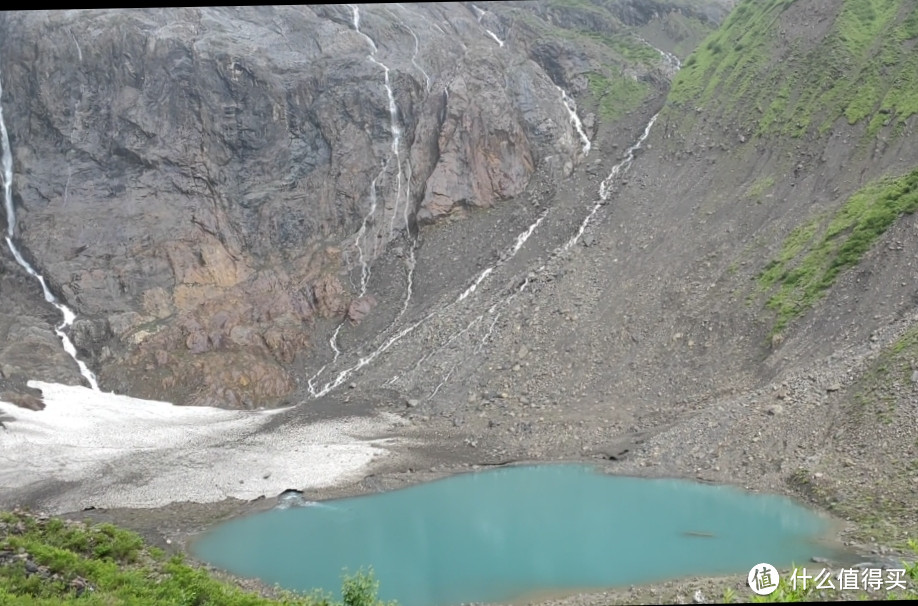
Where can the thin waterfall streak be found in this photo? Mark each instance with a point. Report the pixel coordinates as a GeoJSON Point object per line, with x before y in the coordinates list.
{"type": "Point", "coordinates": [480, 14]}
{"type": "Point", "coordinates": [417, 48]}
{"type": "Point", "coordinates": [310, 381]}
{"type": "Point", "coordinates": [442, 382]}
{"type": "Point", "coordinates": [449, 341]}
{"type": "Point", "coordinates": [409, 288]}
{"type": "Point", "coordinates": [624, 165]}
{"type": "Point", "coordinates": [344, 374]}
{"type": "Point", "coordinates": [571, 106]}
{"type": "Point", "coordinates": [671, 61]}
{"type": "Point", "coordinates": [425, 17]}
{"type": "Point", "coordinates": [6, 160]}
{"type": "Point", "coordinates": [79, 51]}
{"type": "Point", "coordinates": [605, 188]}
{"type": "Point", "coordinates": [413, 243]}
{"type": "Point", "coordinates": [7, 165]}
{"type": "Point", "coordinates": [364, 266]}
{"type": "Point", "coordinates": [408, 202]}
{"type": "Point", "coordinates": [67, 184]}
{"type": "Point", "coordinates": [509, 254]}
{"type": "Point", "coordinates": [500, 42]}
{"type": "Point", "coordinates": [446, 377]}
{"type": "Point", "coordinates": [333, 342]}
{"type": "Point", "coordinates": [474, 286]}
{"type": "Point", "coordinates": [521, 239]}
{"type": "Point", "coordinates": [487, 336]}
{"type": "Point", "coordinates": [356, 21]}
{"type": "Point", "coordinates": [66, 312]}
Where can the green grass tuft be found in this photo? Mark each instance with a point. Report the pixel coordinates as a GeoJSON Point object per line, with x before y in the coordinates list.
{"type": "Point", "coordinates": [821, 257]}
{"type": "Point", "coordinates": [95, 565]}
{"type": "Point", "coordinates": [616, 95]}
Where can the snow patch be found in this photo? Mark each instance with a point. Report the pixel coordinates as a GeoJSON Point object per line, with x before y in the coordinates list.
{"type": "Point", "coordinates": [118, 451]}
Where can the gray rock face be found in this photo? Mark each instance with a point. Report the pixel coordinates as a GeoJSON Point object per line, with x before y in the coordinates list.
{"type": "Point", "coordinates": [198, 183]}
{"type": "Point", "coordinates": [190, 180]}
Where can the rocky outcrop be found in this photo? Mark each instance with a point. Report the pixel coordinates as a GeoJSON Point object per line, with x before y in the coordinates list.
{"type": "Point", "coordinates": [198, 184]}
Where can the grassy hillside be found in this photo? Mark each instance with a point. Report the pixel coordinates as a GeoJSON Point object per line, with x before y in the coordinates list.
{"type": "Point", "coordinates": [815, 253]}
{"type": "Point", "coordinates": [619, 79]}
{"type": "Point", "coordinates": [48, 561]}
{"type": "Point", "coordinates": [864, 71]}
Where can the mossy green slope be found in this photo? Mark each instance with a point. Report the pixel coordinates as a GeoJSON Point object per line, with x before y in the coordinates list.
{"type": "Point", "coordinates": [48, 561]}
{"type": "Point", "coordinates": [815, 253]}
{"type": "Point", "coordinates": [864, 70]}
{"type": "Point", "coordinates": [616, 86]}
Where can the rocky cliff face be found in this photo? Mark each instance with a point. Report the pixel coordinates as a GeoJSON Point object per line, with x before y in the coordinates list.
{"type": "Point", "coordinates": [203, 185]}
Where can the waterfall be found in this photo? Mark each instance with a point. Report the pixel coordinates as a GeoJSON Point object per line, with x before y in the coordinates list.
{"type": "Point", "coordinates": [66, 312]}
{"type": "Point", "coordinates": [484, 329]}
{"type": "Point", "coordinates": [417, 46]}
{"type": "Point", "coordinates": [396, 131]}
{"type": "Point", "coordinates": [605, 188]}
{"type": "Point", "coordinates": [480, 14]}
{"type": "Point", "coordinates": [511, 252]}
{"type": "Point", "coordinates": [392, 340]}
{"type": "Point", "coordinates": [571, 106]}
{"type": "Point", "coordinates": [395, 148]}
{"type": "Point", "coordinates": [670, 61]}
{"type": "Point", "coordinates": [605, 191]}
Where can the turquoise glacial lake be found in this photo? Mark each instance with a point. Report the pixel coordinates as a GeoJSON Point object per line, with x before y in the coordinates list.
{"type": "Point", "coordinates": [504, 534]}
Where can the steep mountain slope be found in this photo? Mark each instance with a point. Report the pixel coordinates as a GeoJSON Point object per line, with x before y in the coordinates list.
{"type": "Point", "coordinates": [206, 187]}
{"type": "Point", "coordinates": [746, 309]}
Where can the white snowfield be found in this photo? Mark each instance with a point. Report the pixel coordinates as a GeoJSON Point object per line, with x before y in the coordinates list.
{"type": "Point", "coordinates": [118, 451]}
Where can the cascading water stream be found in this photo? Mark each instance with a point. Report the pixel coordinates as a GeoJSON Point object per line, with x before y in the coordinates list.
{"type": "Point", "coordinates": [396, 131]}
{"type": "Point", "coordinates": [606, 185]}
{"type": "Point", "coordinates": [671, 61]}
{"type": "Point", "coordinates": [66, 312]}
{"type": "Point", "coordinates": [481, 13]}
{"type": "Point", "coordinates": [571, 106]}
{"type": "Point", "coordinates": [605, 191]}
{"type": "Point", "coordinates": [417, 48]}
{"type": "Point", "coordinates": [347, 372]}
{"type": "Point", "coordinates": [364, 266]}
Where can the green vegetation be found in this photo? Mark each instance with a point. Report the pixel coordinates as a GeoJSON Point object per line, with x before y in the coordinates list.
{"type": "Point", "coordinates": [788, 591]}
{"type": "Point", "coordinates": [864, 70]}
{"type": "Point", "coordinates": [629, 48]}
{"type": "Point", "coordinates": [760, 186]}
{"type": "Point", "coordinates": [613, 91]}
{"type": "Point", "coordinates": [616, 95]}
{"type": "Point", "coordinates": [727, 56]}
{"type": "Point", "coordinates": [50, 562]}
{"type": "Point", "coordinates": [822, 253]}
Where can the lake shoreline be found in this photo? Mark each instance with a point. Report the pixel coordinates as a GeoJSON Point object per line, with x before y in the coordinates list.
{"type": "Point", "coordinates": [426, 448]}
{"type": "Point", "coordinates": [175, 527]}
